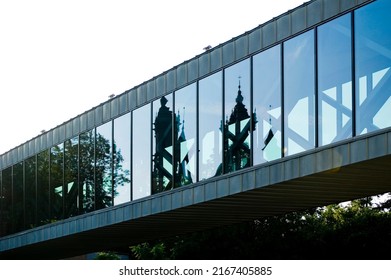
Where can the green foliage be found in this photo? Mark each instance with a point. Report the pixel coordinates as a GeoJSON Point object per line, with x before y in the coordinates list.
{"type": "Point", "coordinates": [106, 256]}
{"type": "Point", "coordinates": [359, 230]}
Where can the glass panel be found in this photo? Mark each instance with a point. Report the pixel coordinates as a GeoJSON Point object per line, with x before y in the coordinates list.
{"type": "Point", "coordinates": [299, 85]}
{"type": "Point", "coordinates": [162, 171]}
{"type": "Point", "coordinates": [335, 80]}
{"type": "Point", "coordinates": [237, 125]}
{"type": "Point", "coordinates": [267, 105]}
{"type": "Point", "coordinates": [103, 166]}
{"type": "Point", "coordinates": [56, 182]}
{"type": "Point", "coordinates": [31, 192]}
{"type": "Point", "coordinates": [141, 152]}
{"type": "Point", "coordinates": [6, 212]}
{"type": "Point", "coordinates": [210, 119]}
{"type": "Point", "coordinates": [185, 142]}
{"type": "Point", "coordinates": [71, 168]}
{"type": "Point", "coordinates": [43, 209]}
{"type": "Point", "coordinates": [122, 159]}
{"type": "Point", "coordinates": [373, 65]}
{"type": "Point", "coordinates": [86, 171]}
{"type": "Point", "coordinates": [17, 197]}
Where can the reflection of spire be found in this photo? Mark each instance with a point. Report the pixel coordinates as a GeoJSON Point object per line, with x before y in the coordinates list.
{"type": "Point", "coordinates": [239, 112]}
{"type": "Point", "coordinates": [183, 172]}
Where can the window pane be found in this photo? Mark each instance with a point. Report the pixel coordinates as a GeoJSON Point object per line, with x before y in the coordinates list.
{"type": "Point", "coordinates": [335, 80]}
{"type": "Point", "coordinates": [299, 79]}
{"type": "Point", "coordinates": [141, 152]}
{"type": "Point", "coordinates": [122, 159]}
{"type": "Point", "coordinates": [6, 211]}
{"type": "Point", "coordinates": [86, 171]}
{"type": "Point", "coordinates": [17, 197]}
{"type": "Point", "coordinates": [56, 182]}
{"type": "Point", "coordinates": [162, 172]}
{"type": "Point", "coordinates": [267, 105]}
{"type": "Point", "coordinates": [210, 119]}
{"type": "Point", "coordinates": [43, 210]}
{"type": "Point", "coordinates": [186, 122]}
{"type": "Point", "coordinates": [237, 118]}
{"type": "Point", "coordinates": [71, 167]}
{"type": "Point", "coordinates": [31, 192]}
{"type": "Point", "coordinates": [373, 63]}
{"type": "Point", "coordinates": [103, 164]}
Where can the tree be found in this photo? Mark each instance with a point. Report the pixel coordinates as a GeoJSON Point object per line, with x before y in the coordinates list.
{"type": "Point", "coordinates": [358, 230]}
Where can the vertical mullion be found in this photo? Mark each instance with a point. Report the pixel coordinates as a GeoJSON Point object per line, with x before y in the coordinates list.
{"type": "Point", "coordinates": [282, 100]}
{"type": "Point", "coordinates": [316, 109]}
{"type": "Point", "coordinates": [353, 69]}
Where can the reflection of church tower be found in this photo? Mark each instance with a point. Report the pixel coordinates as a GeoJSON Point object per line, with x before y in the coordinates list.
{"type": "Point", "coordinates": [162, 171]}
{"type": "Point", "coordinates": [183, 174]}
{"type": "Point", "coordinates": [237, 130]}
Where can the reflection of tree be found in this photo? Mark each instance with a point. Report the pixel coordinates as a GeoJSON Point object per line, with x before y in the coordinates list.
{"type": "Point", "coordinates": [89, 158]}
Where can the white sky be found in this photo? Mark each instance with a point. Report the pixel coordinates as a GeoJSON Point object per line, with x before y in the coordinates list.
{"type": "Point", "coordinates": [61, 58]}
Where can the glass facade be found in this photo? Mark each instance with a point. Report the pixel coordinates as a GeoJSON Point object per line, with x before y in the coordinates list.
{"type": "Point", "coordinates": [330, 83]}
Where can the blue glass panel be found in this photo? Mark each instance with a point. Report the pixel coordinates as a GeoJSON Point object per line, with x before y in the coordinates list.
{"type": "Point", "coordinates": [335, 80]}
{"type": "Point", "coordinates": [186, 132]}
{"type": "Point", "coordinates": [237, 126]}
{"type": "Point", "coordinates": [210, 119]}
{"type": "Point", "coordinates": [122, 159]}
{"type": "Point", "coordinates": [141, 152]}
{"type": "Point", "coordinates": [267, 105]}
{"type": "Point", "coordinates": [299, 95]}
{"type": "Point", "coordinates": [373, 65]}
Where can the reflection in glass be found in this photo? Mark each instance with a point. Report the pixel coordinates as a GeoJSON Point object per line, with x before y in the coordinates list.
{"type": "Point", "coordinates": [334, 80]}
{"type": "Point", "coordinates": [56, 182]}
{"type": "Point", "coordinates": [299, 85]}
{"type": "Point", "coordinates": [86, 171]}
{"type": "Point", "coordinates": [267, 105]}
{"type": "Point", "coordinates": [185, 146]}
{"type": "Point", "coordinates": [6, 211]}
{"type": "Point", "coordinates": [121, 168]}
{"type": "Point", "coordinates": [141, 160]}
{"type": "Point", "coordinates": [43, 210]}
{"type": "Point", "coordinates": [237, 125]}
{"type": "Point", "coordinates": [373, 66]}
{"type": "Point", "coordinates": [71, 186]}
{"type": "Point", "coordinates": [103, 166]}
{"type": "Point", "coordinates": [30, 191]}
{"type": "Point", "coordinates": [162, 170]}
{"type": "Point", "coordinates": [17, 197]}
{"type": "Point", "coordinates": [210, 119]}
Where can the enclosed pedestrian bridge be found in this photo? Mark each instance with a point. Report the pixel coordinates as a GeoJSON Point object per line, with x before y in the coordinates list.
{"type": "Point", "coordinates": [291, 115]}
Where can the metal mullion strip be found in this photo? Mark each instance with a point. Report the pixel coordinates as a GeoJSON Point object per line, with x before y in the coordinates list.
{"type": "Point", "coordinates": [282, 100]}
{"type": "Point", "coordinates": [353, 69]}
{"type": "Point", "coordinates": [252, 128]}
{"type": "Point", "coordinates": [173, 130]}
{"type": "Point", "coordinates": [316, 109]}
{"type": "Point", "coordinates": [112, 162]}
{"type": "Point", "coordinates": [197, 133]}
{"type": "Point", "coordinates": [223, 171]}
{"type": "Point", "coordinates": [131, 156]}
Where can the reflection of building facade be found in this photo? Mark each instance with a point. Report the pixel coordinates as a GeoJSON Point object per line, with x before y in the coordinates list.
{"type": "Point", "coordinates": [314, 91]}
